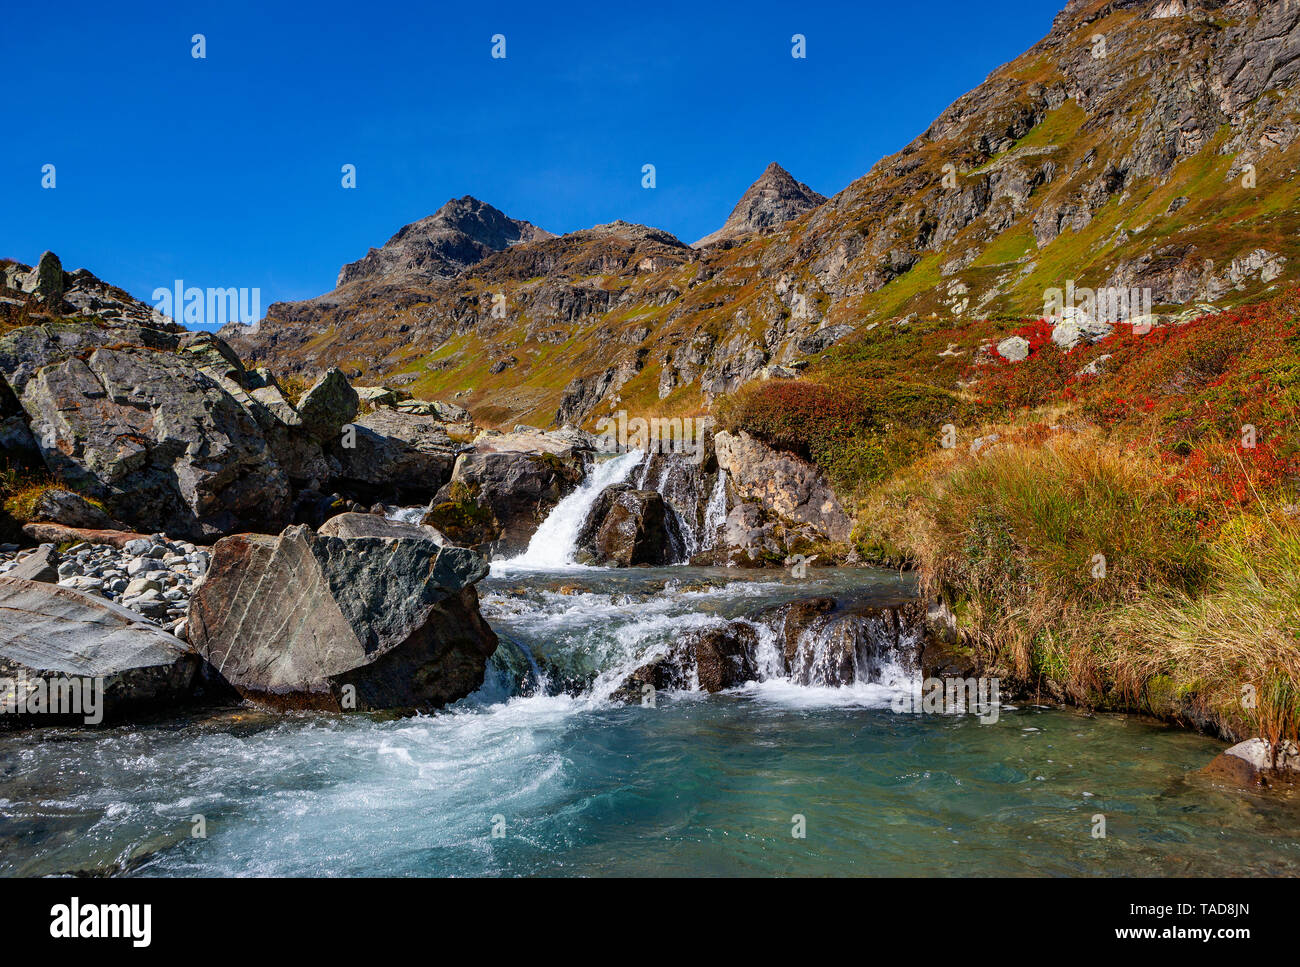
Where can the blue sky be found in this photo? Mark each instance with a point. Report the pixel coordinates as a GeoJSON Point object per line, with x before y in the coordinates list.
{"type": "Point", "coordinates": [225, 171]}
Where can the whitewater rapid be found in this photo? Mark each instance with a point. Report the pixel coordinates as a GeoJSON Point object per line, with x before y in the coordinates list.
{"type": "Point", "coordinates": [555, 542]}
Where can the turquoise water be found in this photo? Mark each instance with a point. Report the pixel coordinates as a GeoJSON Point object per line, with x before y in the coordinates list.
{"type": "Point", "coordinates": [575, 785]}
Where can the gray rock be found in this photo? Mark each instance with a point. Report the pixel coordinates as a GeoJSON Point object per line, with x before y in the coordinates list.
{"type": "Point", "coordinates": [397, 453]}
{"type": "Point", "coordinates": [372, 525]}
{"type": "Point", "coordinates": [158, 441]}
{"type": "Point", "coordinates": [72, 510]}
{"type": "Point", "coordinates": [51, 632]}
{"type": "Point", "coordinates": [310, 621]}
{"type": "Point", "coordinates": [1077, 328]}
{"type": "Point", "coordinates": [141, 585]}
{"type": "Point", "coordinates": [328, 405]}
{"type": "Point", "coordinates": [781, 482]}
{"type": "Point", "coordinates": [47, 279]}
{"type": "Point", "coordinates": [450, 412]}
{"type": "Point", "coordinates": [1014, 349]}
{"type": "Point", "coordinates": [41, 565]}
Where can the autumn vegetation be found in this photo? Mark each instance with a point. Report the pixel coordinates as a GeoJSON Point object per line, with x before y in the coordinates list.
{"type": "Point", "coordinates": [1126, 538]}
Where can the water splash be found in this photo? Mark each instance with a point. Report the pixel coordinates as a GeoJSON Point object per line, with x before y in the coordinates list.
{"type": "Point", "coordinates": [715, 515]}
{"type": "Point", "coordinates": [555, 542]}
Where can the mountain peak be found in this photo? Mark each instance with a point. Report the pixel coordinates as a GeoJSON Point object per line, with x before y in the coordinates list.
{"type": "Point", "coordinates": [461, 233]}
{"type": "Point", "coordinates": [769, 202]}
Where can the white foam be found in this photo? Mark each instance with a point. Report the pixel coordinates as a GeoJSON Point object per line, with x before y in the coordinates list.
{"type": "Point", "coordinates": [554, 543]}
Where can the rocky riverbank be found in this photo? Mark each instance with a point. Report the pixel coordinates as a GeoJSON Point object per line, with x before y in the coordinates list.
{"type": "Point", "coordinates": [149, 575]}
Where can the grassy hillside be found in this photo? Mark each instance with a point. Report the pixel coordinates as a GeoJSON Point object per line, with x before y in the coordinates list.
{"type": "Point", "coordinates": [1123, 540]}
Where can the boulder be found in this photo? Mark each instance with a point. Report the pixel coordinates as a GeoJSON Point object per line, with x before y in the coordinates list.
{"type": "Point", "coordinates": [377, 395]}
{"type": "Point", "coordinates": [159, 442]}
{"type": "Point", "coordinates": [372, 525]}
{"type": "Point", "coordinates": [395, 455]}
{"type": "Point", "coordinates": [508, 491]}
{"type": "Point", "coordinates": [266, 390]}
{"type": "Point", "coordinates": [47, 279]}
{"type": "Point", "coordinates": [450, 412]}
{"type": "Point", "coordinates": [585, 541]}
{"type": "Point", "coordinates": [1014, 349]}
{"type": "Point", "coordinates": [211, 354]}
{"type": "Point", "coordinates": [306, 620]}
{"type": "Point", "coordinates": [64, 507]}
{"type": "Point", "coordinates": [710, 659]}
{"type": "Point", "coordinates": [61, 534]}
{"type": "Point", "coordinates": [749, 537]}
{"type": "Point", "coordinates": [782, 483]}
{"type": "Point", "coordinates": [637, 529]}
{"type": "Point", "coordinates": [567, 444]}
{"type": "Point", "coordinates": [328, 405]}
{"type": "Point", "coordinates": [1076, 326]}
{"type": "Point", "coordinates": [41, 565]}
{"type": "Point", "coordinates": [1252, 763]}
{"type": "Point", "coordinates": [724, 657]}
{"type": "Point", "coordinates": [57, 634]}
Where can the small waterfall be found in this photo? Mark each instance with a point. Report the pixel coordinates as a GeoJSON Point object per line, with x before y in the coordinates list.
{"type": "Point", "coordinates": [645, 470]}
{"type": "Point", "coordinates": [715, 515]}
{"type": "Point", "coordinates": [408, 515]}
{"type": "Point", "coordinates": [809, 643]}
{"type": "Point", "coordinates": [554, 544]}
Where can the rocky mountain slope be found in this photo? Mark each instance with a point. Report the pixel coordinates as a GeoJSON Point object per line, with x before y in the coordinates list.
{"type": "Point", "coordinates": [769, 203]}
{"type": "Point", "coordinates": [1143, 144]}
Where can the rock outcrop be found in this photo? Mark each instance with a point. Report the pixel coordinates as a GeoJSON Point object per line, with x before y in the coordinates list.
{"type": "Point", "coordinates": [782, 483]}
{"type": "Point", "coordinates": [399, 456]}
{"type": "Point", "coordinates": [162, 444]}
{"type": "Point", "coordinates": [305, 620]}
{"type": "Point", "coordinates": [630, 527]}
{"type": "Point", "coordinates": [54, 639]}
{"type": "Point", "coordinates": [504, 486]}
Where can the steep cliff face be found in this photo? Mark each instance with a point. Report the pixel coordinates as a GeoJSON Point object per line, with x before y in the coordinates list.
{"type": "Point", "coordinates": [1143, 144]}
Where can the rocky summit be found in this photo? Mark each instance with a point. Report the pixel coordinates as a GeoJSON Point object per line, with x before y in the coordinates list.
{"type": "Point", "coordinates": [774, 199]}
{"type": "Point", "coordinates": [459, 234]}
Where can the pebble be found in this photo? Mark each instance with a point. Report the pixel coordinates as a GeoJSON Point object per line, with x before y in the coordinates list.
{"type": "Point", "coordinates": [152, 576]}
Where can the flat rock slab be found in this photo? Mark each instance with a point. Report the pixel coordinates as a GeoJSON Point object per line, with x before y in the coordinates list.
{"type": "Point", "coordinates": [372, 525]}
{"type": "Point", "coordinates": [51, 632]}
{"type": "Point", "coordinates": [50, 533]}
